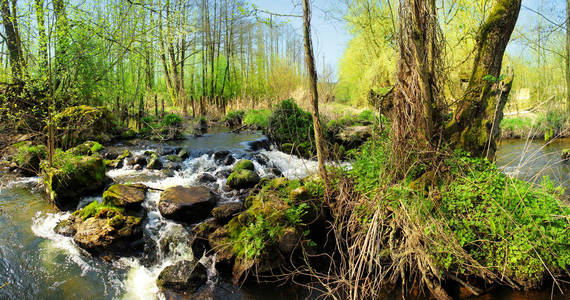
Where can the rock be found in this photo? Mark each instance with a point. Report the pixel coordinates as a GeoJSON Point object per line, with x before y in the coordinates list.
{"type": "Point", "coordinates": [565, 154]}
{"type": "Point", "coordinates": [289, 240]}
{"type": "Point", "coordinates": [183, 276]}
{"type": "Point", "coordinates": [218, 156]}
{"type": "Point", "coordinates": [87, 178]}
{"type": "Point", "coordinates": [242, 179]}
{"type": "Point", "coordinates": [228, 160]}
{"type": "Point", "coordinates": [189, 205]}
{"type": "Point", "coordinates": [111, 155]}
{"type": "Point", "coordinates": [173, 158]}
{"type": "Point", "coordinates": [223, 173]}
{"type": "Point", "coordinates": [125, 195]}
{"type": "Point", "coordinates": [173, 166]}
{"type": "Point", "coordinates": [177, 238]}
{"type": "Point", "coordinates": [67, 227]}
{"type": "Point", "coordinates": [244, 164]}
{"type": "Point", "coordinates": [354, 136]}
{"type": "Point", "coordinates": [168, 173]}
{"type": "Point", "coordinates": [108, 235]}
{"type": "Point", "coordinates": [140, 160]}
{"type": "Point", "coordinates": [201, 232]}
{"type": "Point", "coordinates": [260, 144]}
{"type": "Point", "coordinates": [184, 154]}
{"type": "Point", "coordinates": [261, 159]}
{"type": "Point", "coordinates": [167, 151]}
{"type": "Point", "coordinates": [77, 124]}
{"type": "Point", "coordinates": [154, 163]}
{"type": "Point", "coordinates": [223, 213]}
{"type": "Point", "coordinates": [87, 148]}
{"type": "Point", "coordinates": [138, 167]}
{"type": "Point", "coordinates": [276, 172]}
{"type": "Point", "coordinates": [206, 178]}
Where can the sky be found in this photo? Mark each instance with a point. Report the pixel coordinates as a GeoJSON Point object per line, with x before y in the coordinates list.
{"type": "Point", "coordinates": [330, 35]}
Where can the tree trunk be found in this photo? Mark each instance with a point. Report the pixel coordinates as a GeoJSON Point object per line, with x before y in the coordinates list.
{"type": "Point", "coordinates": [309, 57]}
{"type": "Point", "coordinates": [474, 127]}
{"type": "Point", "coordinates": [12, 41]}
{"type": "Point", "coordinates": [416, 112]}
{"type": "Point", "coordinates": [42, 51]}
{"type": "Point", "coordinates": [568, 56]}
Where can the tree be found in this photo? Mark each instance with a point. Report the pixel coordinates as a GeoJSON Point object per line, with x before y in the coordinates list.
{"type": "Point", "coordinates": [416, 101]}
{"type": "Point", "coordinates": [13, 41]}
{"type": "Point", "coordinates": [310, 60]}
{"type": "Point", "coordinates": [568, 56]}
{"type": "Point", "coordinates": [475, 123]}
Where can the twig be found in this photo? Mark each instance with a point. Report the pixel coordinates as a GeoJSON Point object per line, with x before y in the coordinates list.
{"type": "Point", "coordinates": [4, 285]}
{"type": "Point", "coordinates": [474, 290]}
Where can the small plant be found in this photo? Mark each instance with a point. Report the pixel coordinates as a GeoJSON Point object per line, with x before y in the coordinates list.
{"type": "Point", "coordinates": [257, 118]}
{"type": "Point", "coordinates": [96, 209]}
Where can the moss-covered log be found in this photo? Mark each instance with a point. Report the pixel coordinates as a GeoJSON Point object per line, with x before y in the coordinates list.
{"type": "Point", "coordinates": [475, 124]}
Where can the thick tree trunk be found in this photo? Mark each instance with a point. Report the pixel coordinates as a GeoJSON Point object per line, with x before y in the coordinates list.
{"type": "Point", "coordinates": [416, 97]}
{"type": "Point", "coordinates": [475, 124]}
{"type": "Point", "coordinates": [12, 40]}
{"type": "Point", "coordinates": [310, 59]}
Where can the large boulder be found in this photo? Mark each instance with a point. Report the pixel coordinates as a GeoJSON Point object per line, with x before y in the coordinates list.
{"type": "Point", "coordinates": [82, 123]}
{"type": "Point", "coordinates": [183, 277]}
{"type": "Point", "coordinates": [83, 176]}
{"type": "Point", "coordinates": [242, 179]}
{"type": "Point", "coordinates": [189, 205]}
{"type": "Point", "coordinates": [104, 229]}
{"type": "Point", "coordinates": [125, 195]}
{"type": "Point", "coordinates": [154, 162]}
{"type": "Point", "coordinates": [103, 235]}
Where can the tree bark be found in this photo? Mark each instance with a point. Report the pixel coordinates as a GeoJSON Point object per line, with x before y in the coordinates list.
{"type": "Point", "coordinates": [568, 56]}
{"type": "Point", "coordinates": [12, 41]}
{"type": "Point", "coordinates": [474, 127]}
{"type": "Point", "coordinates": [416, 114]}
{"type": "Point", "coordinates": [310, 59]}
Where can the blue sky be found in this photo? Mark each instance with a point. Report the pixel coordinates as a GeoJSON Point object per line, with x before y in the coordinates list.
{"type": "Point", "coordinates": [330, 36]}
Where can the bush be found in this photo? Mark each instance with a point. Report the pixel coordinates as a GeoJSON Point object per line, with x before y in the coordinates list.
{"type": "Point", "coordinates": [169, 128]}
{"type": "Point", "coordinates": [172, 120]}
{"type": "Point", "coordinates": [290, 124]}
{"type": "Point", "coordinates": [28, 157]}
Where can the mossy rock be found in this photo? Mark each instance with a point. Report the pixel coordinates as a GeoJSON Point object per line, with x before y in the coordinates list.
{"type": "Point", "coordinates": [242, 179]}
{"type": "Point", "coordinates": [244, 164]}
{"type": "Point", "coordinates": [83, 123]}
{"type": "Point", "coordinates": [223, 213]}
{"type": "Point", "coordinates": [184, 276]}
{"type": "Point", "coordinates": [274, 215]}
{"type": "Point", "coordinates": [565, 154]}
{"type": "Point", "coordinates": [190, 205]}
{"type": "Point", "coordinates": [173, 158]}
{"type": "Point", "coordinates": [87, 148]}
{"type": "Point", "coordinates": [66, 187]}
{"type": "Point", "coordinates": [125, 195]}
{"type": "Point", "coordinates": [154, 162]}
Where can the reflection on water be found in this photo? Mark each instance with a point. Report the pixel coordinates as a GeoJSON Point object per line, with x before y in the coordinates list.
{"type": "Point", "coordinates": [531, 160]}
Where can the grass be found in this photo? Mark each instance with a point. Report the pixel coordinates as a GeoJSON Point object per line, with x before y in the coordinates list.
{"type": "Point", "coordinates": [546, 125]}
{"type": "Point", "coordinates": [258, 118]}
{"type": "Point", "coordinates": [96, 209]}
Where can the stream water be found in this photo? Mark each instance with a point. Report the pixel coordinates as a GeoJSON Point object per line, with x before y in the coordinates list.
{"type": "Point", "coordinates": [37, 263]}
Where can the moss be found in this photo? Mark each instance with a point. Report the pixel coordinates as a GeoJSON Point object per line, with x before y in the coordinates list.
{"type": "Point", "coordinates": [96, 209]}
{"type": "Point", "coordinates": [244, 164]}
{"type": "Point", "coordinates": [174, 158]}
{"type": "Point", "coordinates": [242, 179]}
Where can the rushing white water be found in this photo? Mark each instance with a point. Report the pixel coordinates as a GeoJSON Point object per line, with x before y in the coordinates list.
{"type": "Point", "coordinates": [139, 281]}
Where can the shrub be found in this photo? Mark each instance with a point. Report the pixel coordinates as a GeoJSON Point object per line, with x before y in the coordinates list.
{"type": "Point", "coordinates": [29, 156]}
{"type": "Point", "coordinates": [172, 120]}
{"type": "Point", "coordinates": [290, 124]}
{"type": "Point", "coordinates": [234, 118]}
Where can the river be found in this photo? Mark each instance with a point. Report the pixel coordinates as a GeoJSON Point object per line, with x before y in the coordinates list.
{"type": "Point", "coordinates": [36, 263]}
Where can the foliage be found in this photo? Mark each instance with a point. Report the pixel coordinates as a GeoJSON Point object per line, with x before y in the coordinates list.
{"type": "Point", "coordinates": [368, 167]}
{"type": "Point", "coordinates": [26, 152]}
{"type": "Point", "coordinates": [168, 128]}
{"type": "Point", "coordinates": [289, 124]}
{"type": "Point", "coordinates": [257, 118]}
{"type": "Point", "coordinates": [508, 225]}
{"type": "Point", "coordinates": [234, 118]}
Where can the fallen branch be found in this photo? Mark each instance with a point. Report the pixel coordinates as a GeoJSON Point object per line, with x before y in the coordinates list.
{"type": "Point", "coordinates": [4, 285]}
{"type": "Point", "coordinates": [473, 290]}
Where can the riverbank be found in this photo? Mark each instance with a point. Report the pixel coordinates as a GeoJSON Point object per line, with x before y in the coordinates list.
{"type": "Point", "coordinates": [545, 126]}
